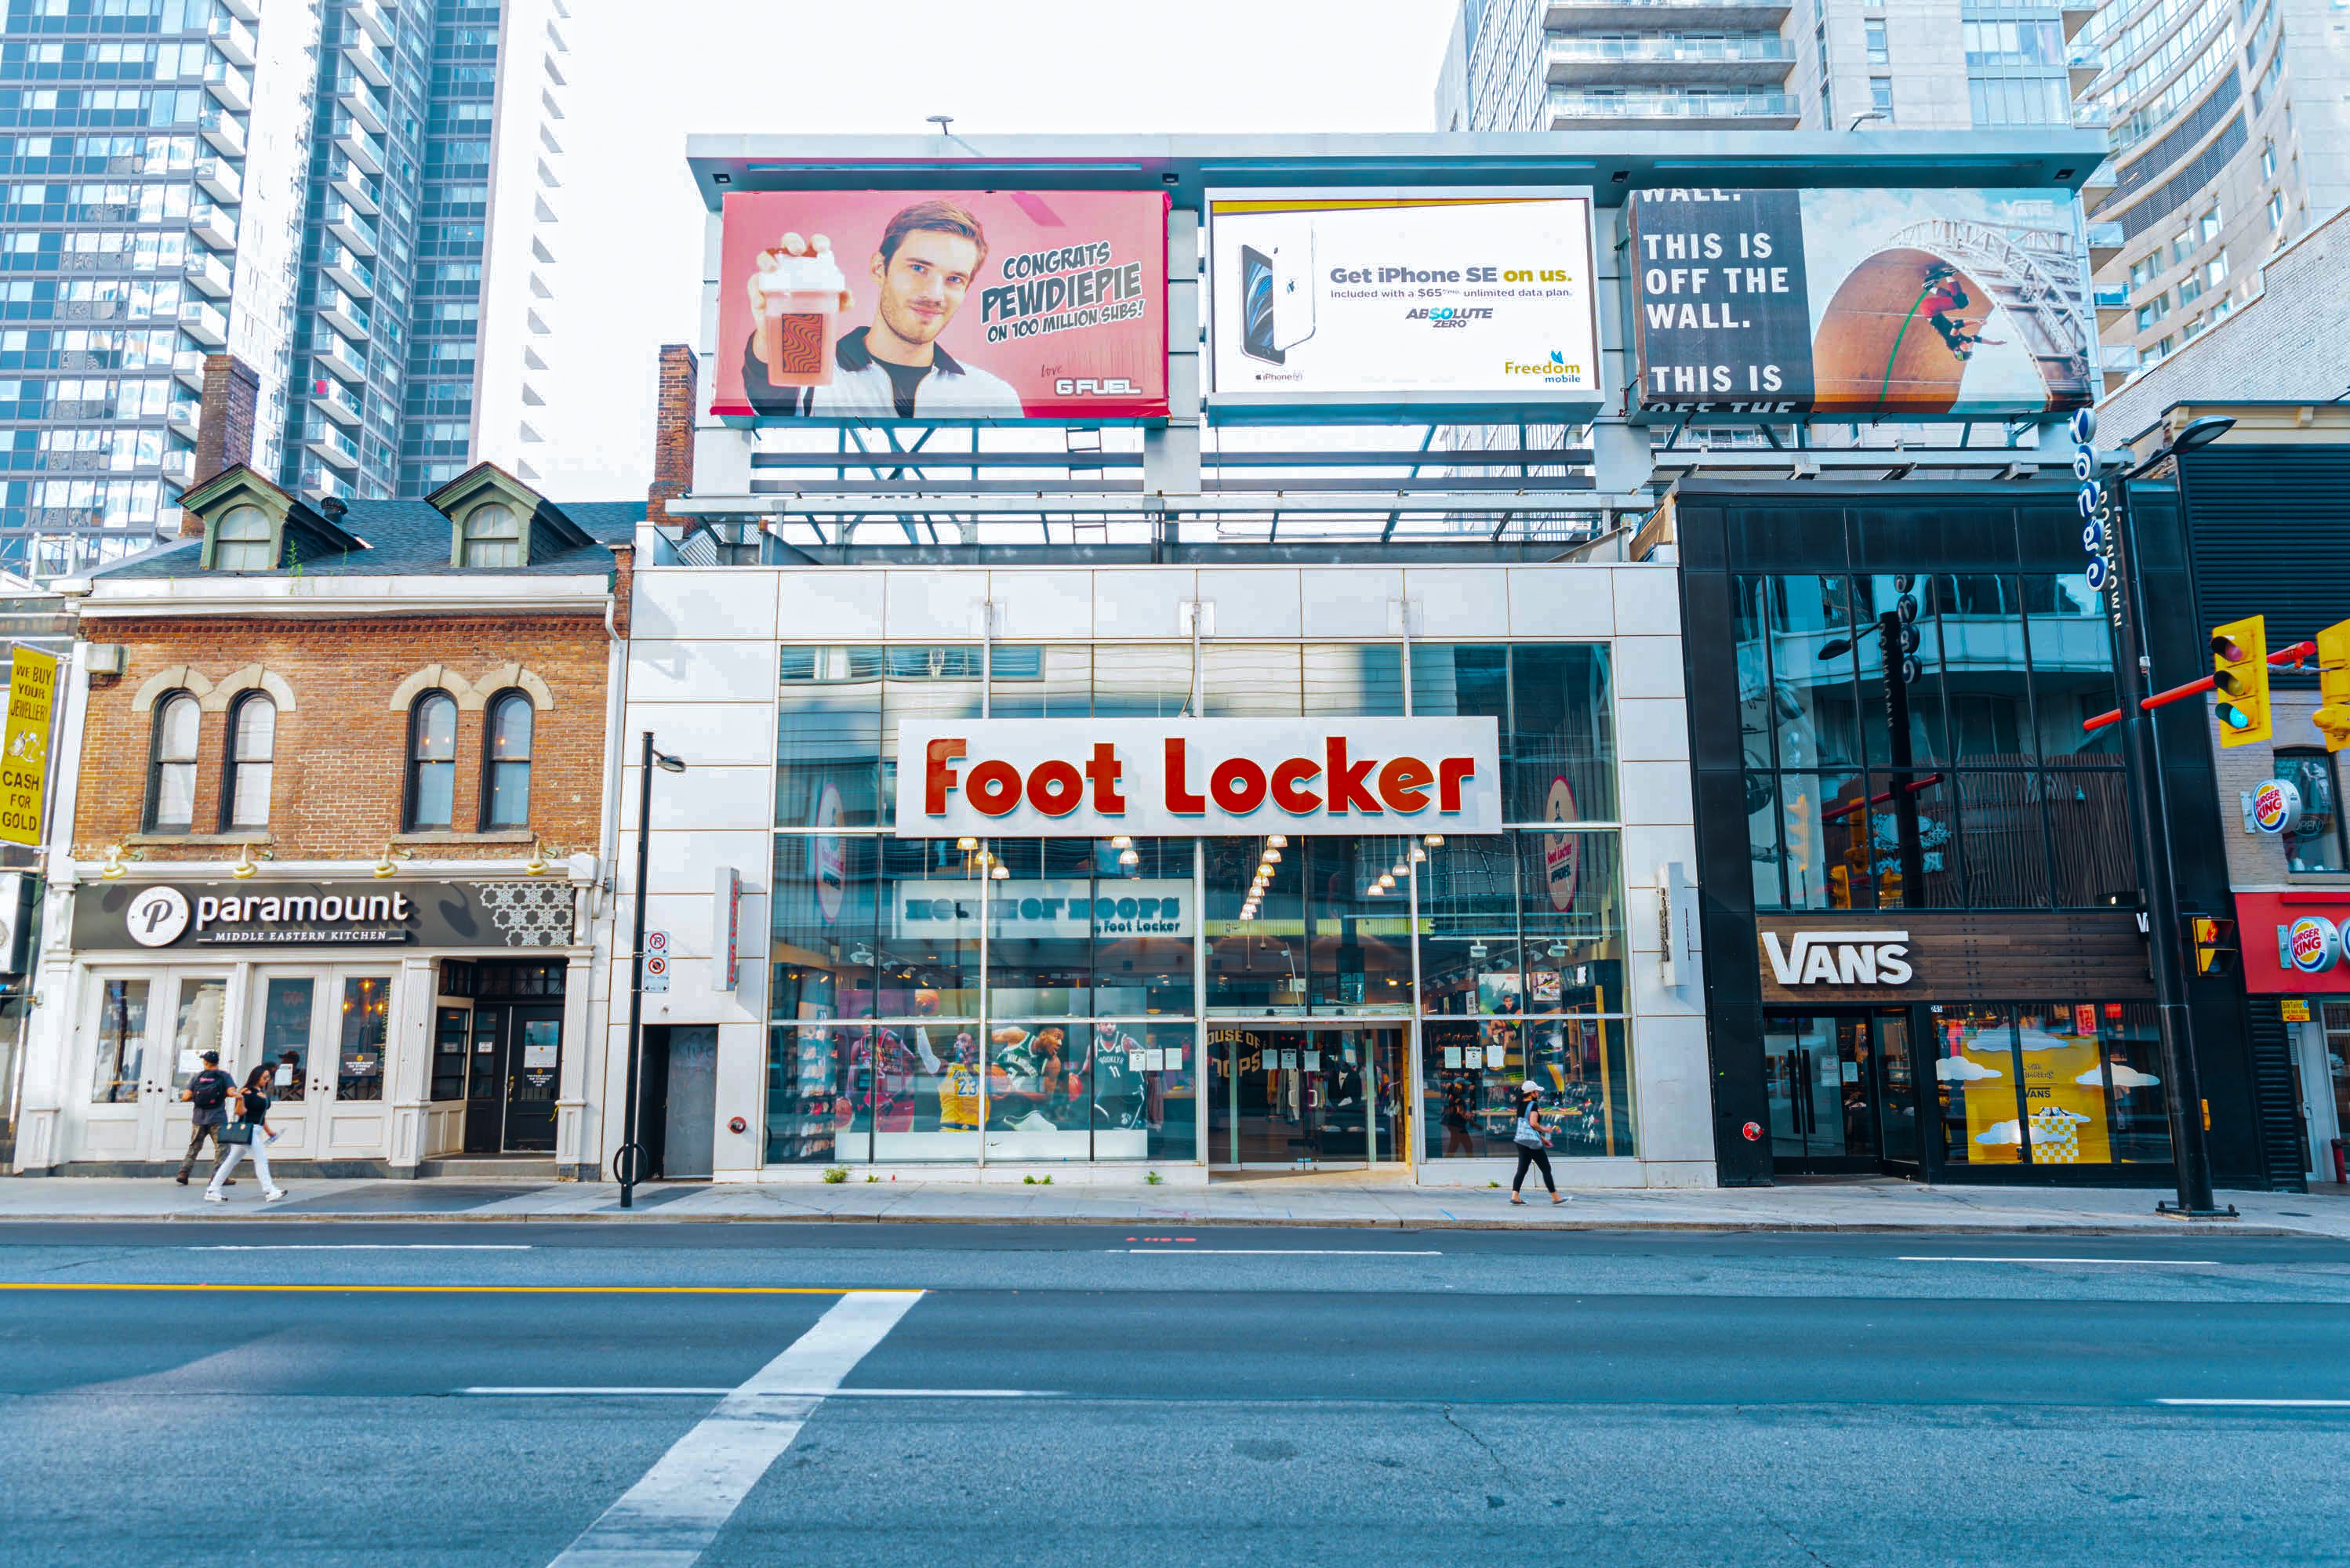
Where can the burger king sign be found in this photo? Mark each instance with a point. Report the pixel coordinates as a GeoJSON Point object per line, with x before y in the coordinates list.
{"type": "Point", "coordinates": [2276, 806]}
{"type": "Point", "coordinates": [2311, 944]}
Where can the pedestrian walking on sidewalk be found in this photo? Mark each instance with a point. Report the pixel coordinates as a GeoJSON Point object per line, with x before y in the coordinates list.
{"type": "Point", "coordinates": [1533, 1141]}
{"type": "Point", "coordinates": [208, 1092]}
{"type": "Point", "coordinates": [250, 1133]}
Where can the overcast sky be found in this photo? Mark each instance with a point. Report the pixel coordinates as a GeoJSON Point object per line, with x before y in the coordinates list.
{"type": "Point", "coordinates": [644, 78]}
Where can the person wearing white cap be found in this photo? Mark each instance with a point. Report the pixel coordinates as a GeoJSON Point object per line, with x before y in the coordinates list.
{"type": "Point", "coordinates": [1533, 1141]}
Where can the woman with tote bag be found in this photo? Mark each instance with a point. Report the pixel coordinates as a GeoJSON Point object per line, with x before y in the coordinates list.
{"type": "Point", "coordinates": [1533, 1143]}
{"type": "Point", "coordinates": [249, 1133]}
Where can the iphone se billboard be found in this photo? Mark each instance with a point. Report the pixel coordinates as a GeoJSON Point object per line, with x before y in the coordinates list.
{"type": "Point", "coordinates": [942, 305]}
{"type": "Point", "coordinates": [1322, 301]}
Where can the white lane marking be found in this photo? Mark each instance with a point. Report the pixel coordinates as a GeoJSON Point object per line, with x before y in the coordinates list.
{"type": "Point", "coordinates": [674, 1513]}
{"type": "Point", "coordinates": [2267, 1404]}
{"type": "Point", "coordinates": [1279, 1251]}
{"type": "Point", "coordinates": [2142, 1262]}
{"type": "Point", "coordinates": [525, 1391]}
{"type": "Point", "coordinates": [370, 1246]}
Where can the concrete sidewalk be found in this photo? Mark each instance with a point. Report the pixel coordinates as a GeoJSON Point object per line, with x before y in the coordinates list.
{"type": "Point", "coordinates": [1329, 1199]}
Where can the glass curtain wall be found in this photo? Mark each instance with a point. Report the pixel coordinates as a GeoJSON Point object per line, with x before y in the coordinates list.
{"type": "Point", "coordinates": [1101, 957]}
{"type": "Point", "coordinates": [1966, 781]}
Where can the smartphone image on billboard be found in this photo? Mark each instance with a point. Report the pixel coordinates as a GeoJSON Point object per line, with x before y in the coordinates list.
{"type": "Point", "coordinates": [1293, 284]}
{"type": "Point", "coordinates": [1257, 331]}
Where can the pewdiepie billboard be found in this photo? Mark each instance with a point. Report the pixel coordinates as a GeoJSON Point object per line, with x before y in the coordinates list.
{"type": "Point", "coordinates": [1861, 303]}
{"type": "Point", "coordinates": [1323, 301]}
{"type": "Point", "coordinates": [942, 305]}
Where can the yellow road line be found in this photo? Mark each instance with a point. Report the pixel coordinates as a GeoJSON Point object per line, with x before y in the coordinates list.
{"type": "Point", "coordinates": [463, 1289]}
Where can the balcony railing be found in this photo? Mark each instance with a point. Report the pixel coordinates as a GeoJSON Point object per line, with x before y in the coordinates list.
{"type": "Point", "coordinates": [345, 315]}
{"type": "Point", "coordinates": [330, 398]}
{"type": "Point", "coordinates": [208, 274]}
{"type": "Point", "coordinates": [352, 185]}
{"type": "Point", "coordinates": [234, 38]}
{"type": "Point", "coordinates": [203, 321]}
{"type": "Point", "coordinates": [1673, 106]}
{"type": "Point", "coordinates": [359, 144]}
{"type": "Point", "coordinates": [216, 226]}
{"type": "Point", "coordinates": [346, 224]}
{"type": "Point", "coordinates": [338, 449]}
{"type": "Point", "coordinates": [188, 369]}
{"type": "Point", "coordinates": [232, 85]}
{"type": "Point", "coordinates": [371, 18]}
{"type": "Point", "coordinates": [220, 180]}
{"type": "Point", "coordinates": [184, 415]}
{"type": "Point", "coordinates": [361, 103]}
{"type": "Point", "coordinates": [347, 268]}
{"type": "Point", "coordinates": [366, 58]}
{"type": "Point", "coordinates": [224, 130]}
{"type": "Point", "coordinates": [1671, 50]}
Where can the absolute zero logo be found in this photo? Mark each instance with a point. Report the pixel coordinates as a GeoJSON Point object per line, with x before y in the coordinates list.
{"type": "Point", "coordinates": [1447, 315]}
{"type": "Point", "coordinates": [1840, 958]}
{"type": "Point", "coordinates": [1332, 780]}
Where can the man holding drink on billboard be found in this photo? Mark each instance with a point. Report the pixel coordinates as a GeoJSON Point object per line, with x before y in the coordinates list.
{"type": "Point", "coordinates": [892, 368]}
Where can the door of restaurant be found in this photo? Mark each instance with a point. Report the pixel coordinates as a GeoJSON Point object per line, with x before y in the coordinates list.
{"type": "Point", "coordinates": [1843, 1093]}
{"type": "Point", "coordinates": [1322, 1096]}
{"type": "Point", "coordinates": [147, 1030]}
{"type": "Point", "coordinates": [516, 1067]}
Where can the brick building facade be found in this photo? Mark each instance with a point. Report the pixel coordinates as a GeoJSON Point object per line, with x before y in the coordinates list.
{"type": "Point", "coordinates": [343, 691]}
{"type": "Point", "coordinates": [341, 813]}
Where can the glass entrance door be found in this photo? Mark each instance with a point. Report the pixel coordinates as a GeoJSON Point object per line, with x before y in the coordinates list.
{"type": "Point", "coordinates": [1821, 1069]}
{"type": "Point", "coordinates": [1289, 1094]}
{"type": "Point", "coordinates": [515, 1072]}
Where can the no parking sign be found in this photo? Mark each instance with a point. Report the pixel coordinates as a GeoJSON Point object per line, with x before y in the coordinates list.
{"type": "Point", "coordinates": [656, 960]}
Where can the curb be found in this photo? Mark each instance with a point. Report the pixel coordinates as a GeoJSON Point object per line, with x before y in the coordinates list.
{"type": "Point", "coordinates": [1700, 1227]}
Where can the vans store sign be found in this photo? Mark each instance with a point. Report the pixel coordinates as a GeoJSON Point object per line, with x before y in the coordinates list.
{"type": "Point", "coordinates": [1091, 778]}
{"type": "Point", "coordinates": [128, 916]}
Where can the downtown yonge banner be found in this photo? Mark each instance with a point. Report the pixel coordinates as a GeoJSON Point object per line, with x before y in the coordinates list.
{"type": "Point", "coordinates": [1859, 303]}
{"type": "Point", "coordinates": [1090, 778]}
{"type": "Point", "coordinates": [1322, 300]}
{"type": "Point", "coordinates": [943, 305]}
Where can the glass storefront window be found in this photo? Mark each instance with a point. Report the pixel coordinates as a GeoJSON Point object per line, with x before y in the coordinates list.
{"type": "Point", "coordinates": [1976, 1076]}
{"type": "Point", "coordinates": [1815, 714]}
{"type": "Point", "coordinates": [923, 682]}
{"type": "Point", "coordinates": [1354, 680]}
{"type": "Point", "coordinates": [2093, 1083]}
{"type": "Point", "coordinates": [121, 1042]}
{"type": "Point", "coordinates": [1471, 1072]}
{"type": "Point", "coordinates": [2088, 837]}
{"type": "Point", "coordinates": [1141, 681]}
{"type": "Point", "coordinates": [1573, 923]}
{"type": "Point", "coordinates": [1332, 932]}
{"type": "Point", "coordinates": [1251, 681]}
{"type": "Point", "coordinates": [285, 1035]}
{"type": "Point", "coordinates": [2071, 666]}
{"type": "Point", "coordinates": [829, 738]}
{"type": "Point", "coordinates": [1559, 759]}
{"type": "Point", "coordinates": [2316, 843]}
{"type": "Point", "coordinates": [1027, 680]}
{"type": "Point", "coordinates": [1825, 823]}
{"type": "Point", "coordinates": [450, 1029]}
{"type": "Point", "coordinates": [196, 1027]}
{"type": "Point", "coordinates": [367, 1019]}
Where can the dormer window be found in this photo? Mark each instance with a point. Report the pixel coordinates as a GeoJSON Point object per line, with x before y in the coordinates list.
{"type": "Point", "coordinates": [493, 536]}
{"type": "Point", "coordinates": [498, 524]}
{"type": "Point", "coordinates": [252, 525]}
{"type": "Point", "coordinates": [244, 540]}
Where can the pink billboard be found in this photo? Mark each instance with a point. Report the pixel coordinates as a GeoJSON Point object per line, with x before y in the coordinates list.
{"type": "Point", "coordinates": [942, 305]}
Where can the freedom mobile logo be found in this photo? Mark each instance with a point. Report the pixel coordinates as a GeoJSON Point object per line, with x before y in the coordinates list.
{"type": "Point", "coordinates": [1840, 958]}
{"type": "Point", "coordinates": [1558, 367]}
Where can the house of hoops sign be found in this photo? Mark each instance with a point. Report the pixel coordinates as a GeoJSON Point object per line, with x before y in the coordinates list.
{"type": "Point", "coordinates": [366, 914]}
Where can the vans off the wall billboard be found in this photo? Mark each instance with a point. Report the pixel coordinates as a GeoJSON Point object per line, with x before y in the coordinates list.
{"type": "Point", "coordinates": [1860, 302]}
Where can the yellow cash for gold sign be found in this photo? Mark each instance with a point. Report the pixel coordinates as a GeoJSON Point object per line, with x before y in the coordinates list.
{"type": "Point", "coordinates": [24, 754]}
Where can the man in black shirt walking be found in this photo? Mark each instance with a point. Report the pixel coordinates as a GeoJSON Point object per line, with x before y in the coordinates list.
{"type": "Point", "coordinates": [207, 1092]}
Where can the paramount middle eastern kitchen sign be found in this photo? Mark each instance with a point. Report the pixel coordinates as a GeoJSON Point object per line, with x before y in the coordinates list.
{"type": "Point", "coordinates": [1088, 778]}
{"type": "Point", "coordinates": [119, 914]}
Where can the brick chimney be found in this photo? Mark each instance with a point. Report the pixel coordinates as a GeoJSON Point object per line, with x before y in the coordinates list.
{"type": "Point", "coordinates": [223, 424]}
{"type": "Point", "coordinates": [672, 431]}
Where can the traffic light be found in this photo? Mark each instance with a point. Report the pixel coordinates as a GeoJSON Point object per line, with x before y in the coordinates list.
{"type": "Point", "coordinates": [2333, 715]}
{"type": "Point", "coordinates": [2240, 672]}
{"type": "Point", "coordinates": [2214, 942]}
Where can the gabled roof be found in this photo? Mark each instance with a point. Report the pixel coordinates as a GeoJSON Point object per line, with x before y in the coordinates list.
{"type": "Point", "coordinates": [409, 538]}
{"type": "Point", "coordinates": [319, 534]}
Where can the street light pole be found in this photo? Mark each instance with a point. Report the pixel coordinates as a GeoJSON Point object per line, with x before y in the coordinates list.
{"type": "Point", "coordinates": [2150, 825]}
{"type": "Point", "coordinates": [629, 1159]}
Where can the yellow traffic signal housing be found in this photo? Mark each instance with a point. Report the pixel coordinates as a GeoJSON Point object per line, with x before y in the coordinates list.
{"type": "Point", "coordinates": [2240, 675]}
{"type": "Point", "coordinates": [2333, 715]}
{"type": "Point", "coordinates": [2214, 942]}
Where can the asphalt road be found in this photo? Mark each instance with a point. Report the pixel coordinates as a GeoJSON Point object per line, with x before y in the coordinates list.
{"type": "Point", "coordinates": [428, 1394]}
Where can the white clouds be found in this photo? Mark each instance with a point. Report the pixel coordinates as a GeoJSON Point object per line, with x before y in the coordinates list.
{"type": "Point", "coordinates": [2125, 1077]}
{"type": "Point", "coordinates": [2006, 1132]}
{"type": "Point", "coordinates": [1963, 1070]}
